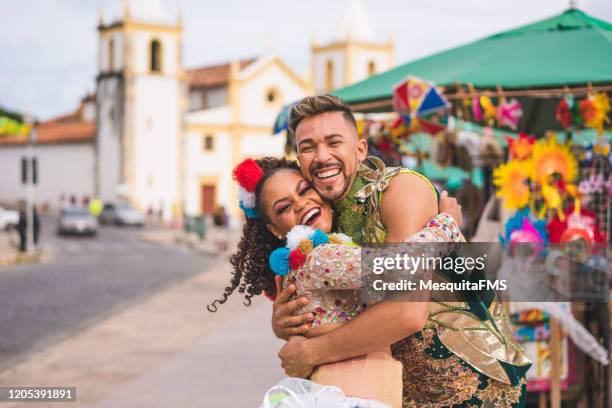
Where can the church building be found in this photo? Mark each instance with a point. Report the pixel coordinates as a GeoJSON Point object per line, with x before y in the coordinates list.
{"type": "Point", "coordinates": [164, 137]}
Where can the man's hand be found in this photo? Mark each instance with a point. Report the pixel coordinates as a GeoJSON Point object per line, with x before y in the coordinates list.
{"type": "Point", "coordinates": [294, 358]}
{"type": "Point", "coordinates": [284, 323]}
{"type": "Point", "coordinates": [450, 206]}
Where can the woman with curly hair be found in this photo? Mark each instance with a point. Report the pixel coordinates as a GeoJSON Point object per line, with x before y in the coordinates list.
{"type": "Point", "coordinates": [288, 232]}
{"type": "Point", "coordinates": [252, 274]}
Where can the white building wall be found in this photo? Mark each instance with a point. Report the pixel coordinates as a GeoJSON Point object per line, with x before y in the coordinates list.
{"type": "Point", "coordinates": [62, 169]}
{"type": "Point", "coordinates": [217, 164]}
{"type": "Point", "coordinates": [362, 59]}
{"type": "Point", "coordinates": [260, 145]}
{"type": "Point", "coordinates": [156, 128]}
{"type": "Point", "coordinates": [255, 108]}
{"type": "Point", "coordinates": [320, 69]}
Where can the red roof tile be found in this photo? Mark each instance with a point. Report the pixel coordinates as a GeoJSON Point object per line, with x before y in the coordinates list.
{"type": "Point", "coordinates": [63, 129]}
{"type": "Point", "coordinates": [213, 75]}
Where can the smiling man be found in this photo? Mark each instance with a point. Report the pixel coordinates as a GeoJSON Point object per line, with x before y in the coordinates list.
{"type": "Point", "coordinates": [376, 204]}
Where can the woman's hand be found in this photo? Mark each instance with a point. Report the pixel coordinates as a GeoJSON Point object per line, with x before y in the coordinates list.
{"type": "Point", "coordinates": [284, 323]}
{"type": "Point", "coordinates": [450, 206]}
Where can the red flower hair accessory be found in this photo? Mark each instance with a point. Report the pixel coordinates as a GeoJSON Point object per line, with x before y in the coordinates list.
{"type": "Point", "coordinates": [248, 174]}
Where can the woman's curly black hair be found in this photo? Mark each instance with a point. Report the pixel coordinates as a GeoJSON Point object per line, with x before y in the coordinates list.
{"type": "Point", "coordinates": [252, 274]}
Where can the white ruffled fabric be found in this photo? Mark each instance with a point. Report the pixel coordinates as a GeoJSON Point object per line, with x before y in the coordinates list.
{"type": "Point", "coordinates": [299, 393]}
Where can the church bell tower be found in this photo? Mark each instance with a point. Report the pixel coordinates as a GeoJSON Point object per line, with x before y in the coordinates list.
{"type": "Point", "coordinates": [140, 102]}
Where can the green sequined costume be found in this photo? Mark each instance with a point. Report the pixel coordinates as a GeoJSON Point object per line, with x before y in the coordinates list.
{"type": "Point", "coordinates": [466, 355]}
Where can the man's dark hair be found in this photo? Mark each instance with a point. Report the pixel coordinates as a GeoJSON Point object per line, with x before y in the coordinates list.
{"type": "Point", "coordinates": [315, 105]}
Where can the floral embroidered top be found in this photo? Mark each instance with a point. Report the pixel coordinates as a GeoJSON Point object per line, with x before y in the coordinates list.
{"type": "Point", "coordinates": [330, 275]}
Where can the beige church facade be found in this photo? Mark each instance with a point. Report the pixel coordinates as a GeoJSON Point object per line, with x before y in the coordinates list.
{"type": "Point", "coordinates": [166, 138]}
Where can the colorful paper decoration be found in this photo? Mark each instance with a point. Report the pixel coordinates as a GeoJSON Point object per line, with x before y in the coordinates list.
{"type": "Point", "coordinates": [477, 110]}
{"type": "Point", "coordinates": [489, 110]}
{"type": "Point", "coordinates": [509, 113]}
{"type": "Point", "coordinates": [550, 157]}
{"type": "Point", "coordinates": [421, 105]}
{"type": "Point", "coordinates": [568, 113]}
{"type": "Point", "coordinates": [521, 147]}
{"type": "Point", "coordinates": [522, 228]}
{"type": "Point", "coordinates": [511, 182]}
{"type": "Point", "coordinates": [564, 114]}
{"type": "Point", "coordinates": [595, 110]}
{"type": "Point", "coordinates": [576, 224]}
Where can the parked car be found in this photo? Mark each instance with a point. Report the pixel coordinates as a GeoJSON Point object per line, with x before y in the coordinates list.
{"type": "Point", "coordinates": [77, 220]}
{"type": "Point", "coordinates": [8, 219]}
{"type": "Point", "coordinates": [121, 214]}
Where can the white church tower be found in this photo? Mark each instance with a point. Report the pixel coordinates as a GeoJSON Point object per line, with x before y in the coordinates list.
{"type": "Point", "coordinates": [140, 101]}
{"type": "Point", "coordinates": [351, 55]}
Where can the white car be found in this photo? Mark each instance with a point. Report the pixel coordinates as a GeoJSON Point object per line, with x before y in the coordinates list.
{"type": "Point", "coordinates": [122, 214]}
{"type": "Point", "coordinates": [8, 219]}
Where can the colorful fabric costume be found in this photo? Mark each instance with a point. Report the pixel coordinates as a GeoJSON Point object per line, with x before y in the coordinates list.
{"type": "Point", "coordinates": [331, 277]}
{"type": "Point", "coordinates": [466, 354]}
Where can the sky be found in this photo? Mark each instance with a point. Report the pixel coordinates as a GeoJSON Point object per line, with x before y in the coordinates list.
{"type": "Point", "coordinates": [48, 48]}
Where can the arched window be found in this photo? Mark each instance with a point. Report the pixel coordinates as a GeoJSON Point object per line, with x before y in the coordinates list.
{"type": "Point", "coordinates": [111, 55]}
{"type": "Point", "coordinates": [329, 76]}
{"type": "Point", "coordinates": [156, 53]}
{"type": "Point", "coordinates": [371, 68]}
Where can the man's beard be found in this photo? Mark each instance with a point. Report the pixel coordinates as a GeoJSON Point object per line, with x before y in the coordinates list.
{"type": "Point", "coordinates": [330, 195]}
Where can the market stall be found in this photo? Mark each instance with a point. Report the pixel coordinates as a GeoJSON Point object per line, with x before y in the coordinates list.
{"type": "Point", "coordinates": [516, 125]}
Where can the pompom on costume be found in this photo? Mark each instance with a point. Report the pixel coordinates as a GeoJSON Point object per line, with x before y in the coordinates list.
{"type": "Point", "coordinates": [248, 174]}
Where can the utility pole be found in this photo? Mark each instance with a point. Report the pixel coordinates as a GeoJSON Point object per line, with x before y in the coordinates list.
{"type": "Point", "coordinates": [30, 179]}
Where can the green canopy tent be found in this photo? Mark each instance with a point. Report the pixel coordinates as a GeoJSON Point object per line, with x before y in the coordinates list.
{"type": "Point", "coordinates": [571, 49]}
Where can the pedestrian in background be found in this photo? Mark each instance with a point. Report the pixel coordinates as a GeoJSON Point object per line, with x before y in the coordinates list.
{"type": "Point", "coordinates": [22, 228]}
{"type": "Point", "coordinates": [221, 222]}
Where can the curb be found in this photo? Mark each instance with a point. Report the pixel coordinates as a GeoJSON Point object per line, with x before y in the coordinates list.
{"type": "Point", "coordinates": [21, 259]}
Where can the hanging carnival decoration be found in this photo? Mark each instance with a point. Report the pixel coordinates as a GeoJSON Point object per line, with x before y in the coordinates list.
{"type": "Point", "coordinates": [421, 106]}
{"type": "Point", "coordinates": [523, 228]}
{"type": "Point", "coordinates": [511, 180]}
{"type": "Point", "coordinates": [554, 170]}
{"type": "Point", "coordinates": [521, 147]}
{"type": "Point", "coordinates": [488, 109]}
{"type": "Point", "coordinates": [509, 113]}
{"type": "Point", "coordinates": [568, 113]}
{"type": "Point", "coordinates": [578, 223]}
{"type": "Point", "coordinates": [594, 110]}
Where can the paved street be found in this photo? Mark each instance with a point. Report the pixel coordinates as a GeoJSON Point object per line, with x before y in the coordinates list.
{"type": "Point", "coordinates": [84, 281]}
{"type": "Point", "coordinates": [165, 351]}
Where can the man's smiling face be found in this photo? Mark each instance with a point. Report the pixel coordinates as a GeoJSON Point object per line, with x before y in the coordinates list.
{"type": "Point", "coordinates": [329, 151]}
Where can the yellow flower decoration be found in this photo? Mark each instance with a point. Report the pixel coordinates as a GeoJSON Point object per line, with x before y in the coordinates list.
{"type": "Point", "coordinates": [550, 157]}
{"type": "Point", "coordinates": [511, 181]}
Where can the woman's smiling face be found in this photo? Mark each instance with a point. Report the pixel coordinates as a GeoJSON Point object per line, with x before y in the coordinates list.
{"type": "Point", "coordinates": [289, 200]}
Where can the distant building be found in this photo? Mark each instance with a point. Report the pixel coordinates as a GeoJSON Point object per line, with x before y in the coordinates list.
{"type": "Point", "coordinates": [164, 137]}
